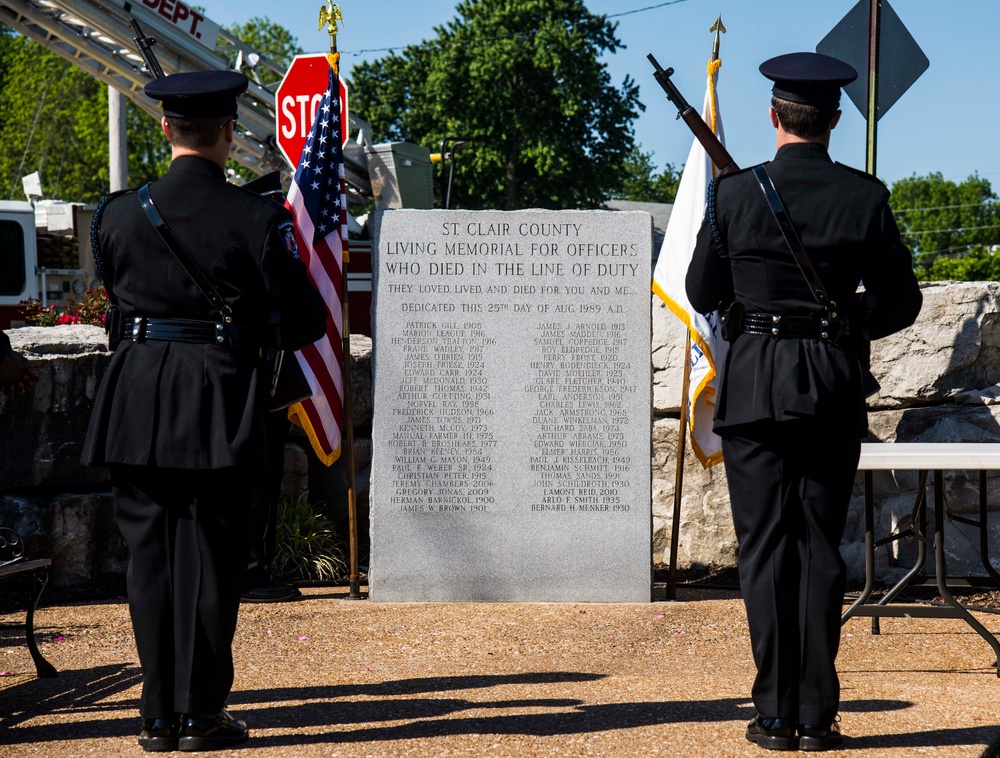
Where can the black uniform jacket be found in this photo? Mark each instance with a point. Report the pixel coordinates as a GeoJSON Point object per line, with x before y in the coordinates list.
{"type": "Point", "coordinates": [847, 228]}
{"type": "Point", "coordinates": [195, 406]}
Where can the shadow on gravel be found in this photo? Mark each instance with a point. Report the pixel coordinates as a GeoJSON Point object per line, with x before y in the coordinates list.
{"type": "Point", "coordinates": [423, 717]}
{"type": "Point", "coordinates": [12, 635]}
{"type": "Point", "coordinates": [408, 686]}
{"type": "Point", "coordinates": [418, 712]}
{"type": "Point", "coordinates": [84, 698]}
{"type": "Point", "coordinates": [81, 694]}
{"type": "Point", "coordinates": [581, 720]}
{"type": "Point", "coordinates": [873, 706]}
{"type": "Point", "coordinates": [984, 735]}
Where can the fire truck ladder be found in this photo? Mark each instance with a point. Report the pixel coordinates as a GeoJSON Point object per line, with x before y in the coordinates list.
{"type": "Point", "coordinates": [95, 36]}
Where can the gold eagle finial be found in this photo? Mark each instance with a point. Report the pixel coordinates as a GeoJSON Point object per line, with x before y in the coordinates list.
{"type": "Point", "coordinates": [330, 14]}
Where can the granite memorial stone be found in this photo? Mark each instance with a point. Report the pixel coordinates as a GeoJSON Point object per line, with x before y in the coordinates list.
{"type": "Point", "coordinates": [511, 436]}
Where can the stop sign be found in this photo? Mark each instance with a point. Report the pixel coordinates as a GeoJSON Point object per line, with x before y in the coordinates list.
{"type": "Point", "coordinates": [298, 98]}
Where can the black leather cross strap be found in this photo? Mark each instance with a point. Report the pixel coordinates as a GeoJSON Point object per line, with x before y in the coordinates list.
{"type": "Point", "coordinates": [186, 261]}
{"type": "Point", "coordinates": [794, 242]}
{"type": "Point", "coordinates": [224, 325]}
{"type": "Point", "coordinates": [792, 237]}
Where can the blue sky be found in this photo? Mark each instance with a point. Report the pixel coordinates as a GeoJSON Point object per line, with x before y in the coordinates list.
{"type": "Point", "coordinates": [947, 122]}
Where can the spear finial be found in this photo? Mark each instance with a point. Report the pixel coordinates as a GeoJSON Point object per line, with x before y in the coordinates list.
{"type": "Point", "coordinates": [719, 29]}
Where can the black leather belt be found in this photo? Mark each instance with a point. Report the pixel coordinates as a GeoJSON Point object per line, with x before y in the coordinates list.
{"type": "Point", "coordinates": [191, 331]}
{"type": "Point", "coordinates": [796, 327]}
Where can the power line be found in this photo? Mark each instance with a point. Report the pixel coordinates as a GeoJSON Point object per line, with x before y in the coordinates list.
{"type": "Point", "coordinates": [956, 229]}
{"type": "Point", "coordinates": [648, 8]}
{"type": "Point", "coordinates": [371, 50]}
{"type": "Point", "coordinates": [397, 47]}
{"type": "Point", "coordinates": [943, 207]}
{"type": "Point", "coordinates": [489, 39]}
{"type": "Point", "coordinates": [950, 252]}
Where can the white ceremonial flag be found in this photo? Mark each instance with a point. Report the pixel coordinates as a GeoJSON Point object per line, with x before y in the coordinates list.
{"type": "Point", "coordinates": [708, 349]}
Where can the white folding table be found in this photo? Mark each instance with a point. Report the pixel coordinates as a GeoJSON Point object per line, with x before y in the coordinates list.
{"type": "Point", "coordinates": [925, 457]}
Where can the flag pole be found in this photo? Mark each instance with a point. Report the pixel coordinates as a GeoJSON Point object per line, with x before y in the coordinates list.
{"type": "Point", "coordinates": [329, 15]}
{"type": "Point", "coordinates": [874, 34]}
{"type": "Point", "coordinates": [675, 526]}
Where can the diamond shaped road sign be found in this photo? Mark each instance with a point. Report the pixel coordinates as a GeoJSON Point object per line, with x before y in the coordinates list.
{"type": "Point", "coordinates": [901, 61]}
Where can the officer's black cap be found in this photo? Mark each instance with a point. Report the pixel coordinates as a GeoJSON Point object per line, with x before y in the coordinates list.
{"type": "Point", "coordinates": [810, 78]}
{"type": "Point", "coordinates": [198, 94]}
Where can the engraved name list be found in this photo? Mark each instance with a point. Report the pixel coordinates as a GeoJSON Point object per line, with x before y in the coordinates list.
{"type": "Point", "coordinates": [512, 379]}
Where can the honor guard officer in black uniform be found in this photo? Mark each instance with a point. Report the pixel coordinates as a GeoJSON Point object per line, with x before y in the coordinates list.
{"type": "Point", "coordinates": [179, 417]}
{"type": "Point", "coordinates": [791, 411]}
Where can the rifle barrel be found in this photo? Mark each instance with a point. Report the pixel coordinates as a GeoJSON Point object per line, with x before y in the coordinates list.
{"type": "Point", "coordinates": [145, 45]}
{"type": "Point", "coordinates": [715, 149]}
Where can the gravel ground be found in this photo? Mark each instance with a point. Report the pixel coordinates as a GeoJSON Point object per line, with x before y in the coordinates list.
{"type": "Point", "coordinates": [326, 676]}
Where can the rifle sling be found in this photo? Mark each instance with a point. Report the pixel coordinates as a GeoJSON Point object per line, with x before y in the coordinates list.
{"type": "Point", "coordinates": [791, 236]}
{"type": "Point", "coordinates": [186, 261]}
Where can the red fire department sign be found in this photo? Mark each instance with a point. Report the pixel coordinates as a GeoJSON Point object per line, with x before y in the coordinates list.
{"type": "Point", "coordinates": [298, 98]}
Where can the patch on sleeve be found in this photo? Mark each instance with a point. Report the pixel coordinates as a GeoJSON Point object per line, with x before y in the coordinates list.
{"type": "Point", "coordinates": [287, 231]}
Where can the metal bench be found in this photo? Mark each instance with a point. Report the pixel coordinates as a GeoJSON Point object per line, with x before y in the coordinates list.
{"type": "Point", "coordinates": [12, 565]}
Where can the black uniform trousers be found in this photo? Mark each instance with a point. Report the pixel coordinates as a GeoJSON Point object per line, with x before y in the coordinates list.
{"type": "Point", "coordinates": [790, 485]}
{"type": "Point", "coordinates": [264, 503]}
{"type": "Point", "coordinates": [186, 530]}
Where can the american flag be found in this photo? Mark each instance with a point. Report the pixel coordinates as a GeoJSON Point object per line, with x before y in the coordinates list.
{"type": "Point", "coordinates": [317, 200]}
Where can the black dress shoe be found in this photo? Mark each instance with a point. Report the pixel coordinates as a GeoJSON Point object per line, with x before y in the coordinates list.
{"type": "Point", "coordinates": [159, 735]}
{"type": "Point", "coordinates": [271, 593]}
{"type": "Point", "coordinates": [211, 732]}
{"type": "Point", "coordinates": [773, 733]}
{"type": "Point", "coordinates": [816, 737]}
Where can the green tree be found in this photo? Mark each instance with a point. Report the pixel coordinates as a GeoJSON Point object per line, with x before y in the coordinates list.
{"type": "Point", "coordinates": [279, 46]}
{"type": "Point", "coordinates": [524, 82]}
{"type": "Point", "coordinates": [938, 217]}
{"type": "Point", "coordinates": [49, 119]}
{"type": "Point", "coordinates": [641, 183]}
{"type": "Point", "coordinates": [54, 120]}
{"type": "Point", "coordinates": [148, 150]}
{"type": "Point", "coordinates": [269, 39]}
{"type": "Point", "coordinates": [980, 264]}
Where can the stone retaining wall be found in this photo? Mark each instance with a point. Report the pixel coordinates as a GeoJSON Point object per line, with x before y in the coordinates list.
{"type": "Point", "coordinates": [62, 509]}
{"type": "Point", "coordinates": [940, 383]}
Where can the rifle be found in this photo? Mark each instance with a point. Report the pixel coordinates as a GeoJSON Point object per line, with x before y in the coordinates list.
{"type": "Point", "coordinates": [145, 45]}
{"type": "Point", "coordinates": [715, 149]}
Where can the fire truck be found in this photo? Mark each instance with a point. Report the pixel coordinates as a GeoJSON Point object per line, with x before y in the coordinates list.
{"type": "Point", "coordinates": [44, 249]}
{"type": "Point", "coordinates": [42, 255]}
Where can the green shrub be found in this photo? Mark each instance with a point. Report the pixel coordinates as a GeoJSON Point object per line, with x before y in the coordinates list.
{"type": "Point", "coordinates": [307, 547]}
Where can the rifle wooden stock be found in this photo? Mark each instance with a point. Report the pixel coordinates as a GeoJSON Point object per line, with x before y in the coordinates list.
{"type": "Point", "coordinates": [715, 149]}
